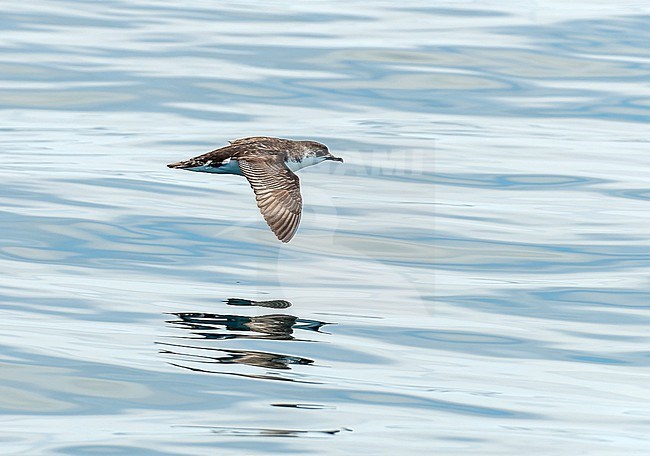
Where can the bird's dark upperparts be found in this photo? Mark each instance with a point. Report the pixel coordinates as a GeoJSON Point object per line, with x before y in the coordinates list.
{"type": "Point", "coordinates": [268, 164]}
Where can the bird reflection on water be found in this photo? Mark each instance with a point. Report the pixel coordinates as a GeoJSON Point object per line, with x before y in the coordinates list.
{"type": "Point", "coordinates": [208, 327]}
{"type": "Point", "coordinates": [211, 326]}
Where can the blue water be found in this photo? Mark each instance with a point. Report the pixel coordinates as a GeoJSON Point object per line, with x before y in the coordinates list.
{"type": "Point", "coordinates": [472, 280]}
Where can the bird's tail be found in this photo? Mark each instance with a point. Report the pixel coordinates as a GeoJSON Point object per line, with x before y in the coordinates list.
{"type": "Point", "coordinates": [181, 164]}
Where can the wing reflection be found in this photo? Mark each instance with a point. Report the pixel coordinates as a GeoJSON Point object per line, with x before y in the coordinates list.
{"type": "Point", "coordinates": [209, 328]}
{"type": "Point", "coordinates": [251, 358]}
{"type": "Point", "coordinates": [273, 304]}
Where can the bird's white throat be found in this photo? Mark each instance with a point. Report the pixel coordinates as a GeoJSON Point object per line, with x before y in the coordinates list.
{"type": "Point", "coordinates": [307, 161]}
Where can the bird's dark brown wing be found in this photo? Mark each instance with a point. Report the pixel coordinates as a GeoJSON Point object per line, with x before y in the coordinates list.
{"type": "Point", "coordinates": [238, 148]}
{"type": "Point", "coordinates": [213, 158]}
{"type": "Point", "coordinates": [277, 191]}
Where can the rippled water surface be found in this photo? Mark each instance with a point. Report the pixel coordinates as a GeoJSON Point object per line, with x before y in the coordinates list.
{"type": "Point", "coordinates": [472, 280]}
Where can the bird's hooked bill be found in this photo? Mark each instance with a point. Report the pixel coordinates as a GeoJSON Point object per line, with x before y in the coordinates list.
{"type": "Point", "coordinates": [337, 159]}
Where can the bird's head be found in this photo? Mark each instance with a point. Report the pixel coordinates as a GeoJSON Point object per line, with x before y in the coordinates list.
{"type": "Point", "coordinates": [317, 150]}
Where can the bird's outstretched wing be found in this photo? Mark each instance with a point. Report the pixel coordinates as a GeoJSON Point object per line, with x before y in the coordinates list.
{"type": "Point", "coordinates": [277, 191]}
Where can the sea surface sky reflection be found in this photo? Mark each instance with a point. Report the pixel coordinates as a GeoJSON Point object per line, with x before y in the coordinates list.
{"type": "Point", "coordinates": [472, 280]}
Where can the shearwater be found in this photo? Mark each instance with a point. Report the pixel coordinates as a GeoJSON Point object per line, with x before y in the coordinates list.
{"type": "Point", "coordinates": [268, 164]}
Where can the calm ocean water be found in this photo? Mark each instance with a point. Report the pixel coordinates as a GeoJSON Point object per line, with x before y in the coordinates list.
{"type": "Point", "coordinates": [472, 280]}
